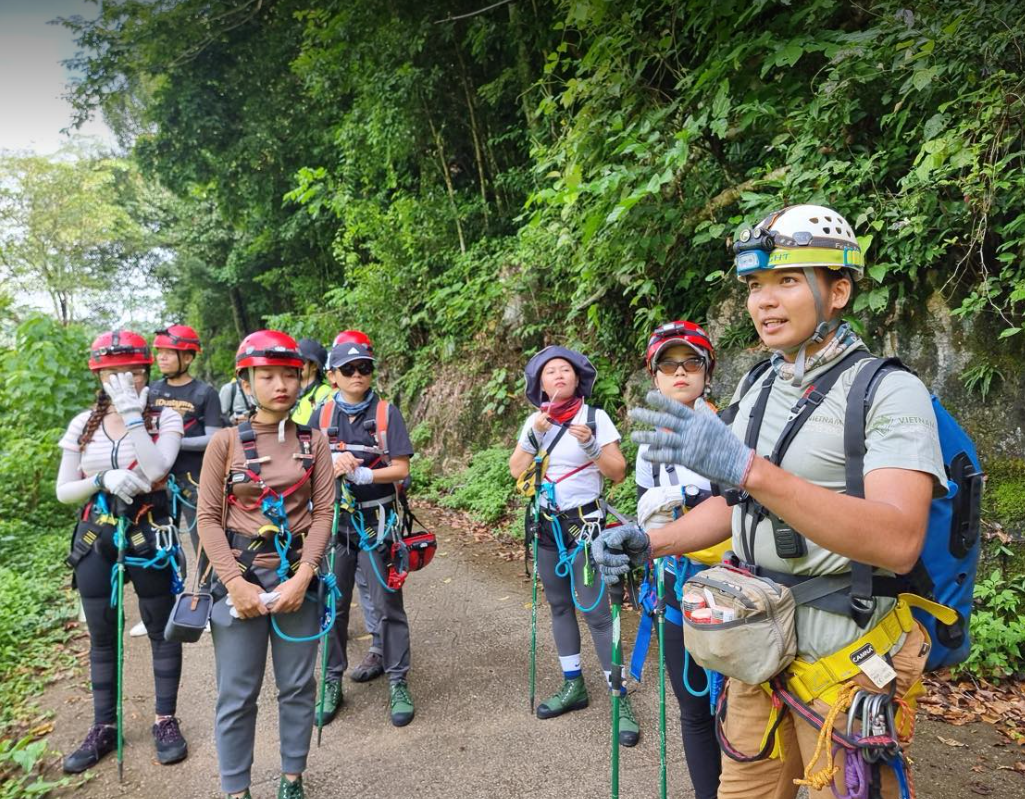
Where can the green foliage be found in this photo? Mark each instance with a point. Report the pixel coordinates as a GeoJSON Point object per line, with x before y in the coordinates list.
{"type": "Point", "coordinates": [997, 628]}
{"type": "Point", "coordinates": [34, 527]}
{"type": "Point", "coordinates": [483, 488]}
{"type": "Point", "coordinates": [979, 378]}
{"type": "Point", "coordinates": [1003, 501]}
{"type": "Point", "coordinates": [19, 763]}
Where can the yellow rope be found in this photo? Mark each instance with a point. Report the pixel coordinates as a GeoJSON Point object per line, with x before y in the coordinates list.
{"type": "Point", "coordinates": [823, 778]}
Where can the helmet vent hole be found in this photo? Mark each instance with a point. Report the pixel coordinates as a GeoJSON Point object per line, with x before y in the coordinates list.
{"type": "Point", "coordinates": [814, 220]}
{"type": "Point", "coordinates": [825, 228]}
{"type": "Point", "coordinates": [829, 219]}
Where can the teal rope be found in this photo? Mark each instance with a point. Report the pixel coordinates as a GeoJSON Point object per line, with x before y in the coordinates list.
{"type": "Point", "coordinates": [177, 495]}
{"type": "Point", "coordinates": [564, 566]}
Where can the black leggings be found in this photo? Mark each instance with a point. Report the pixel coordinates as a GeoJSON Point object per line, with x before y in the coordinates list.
{"type": "Point", "coordinates": [704, 761]}
{"type": "Point", "coordinates": [153, 587]}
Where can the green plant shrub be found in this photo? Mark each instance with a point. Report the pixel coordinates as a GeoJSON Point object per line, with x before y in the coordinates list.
{"type": "Point", "coordinates": [483, 488]}
{"type": "Point", "coordinates": [997, 628]}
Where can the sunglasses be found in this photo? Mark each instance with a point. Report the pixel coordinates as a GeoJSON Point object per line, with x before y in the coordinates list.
{"type": "Point", "coordinates": [363, 367]}
{"type": "Point", "coordinates": [690, 365]}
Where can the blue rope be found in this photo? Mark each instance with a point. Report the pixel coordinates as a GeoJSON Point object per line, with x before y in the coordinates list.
{"type": "Point", "coordinates": [367, 542]}
{"type": "Point", "coordinates": [897, 764]}
{"type": "Point", "coordinates": [161, 559]}
{"type": "Point", "coordinates": [177, 495]}
{"type": "Point", "coordinates": [273, 507]}
{"type": "Point", "coordinates": [564, 567]}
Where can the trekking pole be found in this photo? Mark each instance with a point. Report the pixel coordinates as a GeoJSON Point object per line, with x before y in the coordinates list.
{"type": "Point", "coordinates": [660, 611]}
{"type": "Point", "coordinates": [535, 529]}
{"type": "Point", "coordinates": [332, 543]}
{"type": "Point", "coordinates": [122, 541]}
{"type": "Point", "coordinates": [616, 678]}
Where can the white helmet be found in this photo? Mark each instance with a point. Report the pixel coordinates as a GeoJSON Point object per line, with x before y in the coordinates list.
{"type": "Point", "coordinates": [801, 237]}
{"type": "Point", "coordinates": [796, 237]}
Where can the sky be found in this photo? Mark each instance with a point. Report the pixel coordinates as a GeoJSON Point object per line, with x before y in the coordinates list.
{"type": "Point", "coordinates": [32, 78]}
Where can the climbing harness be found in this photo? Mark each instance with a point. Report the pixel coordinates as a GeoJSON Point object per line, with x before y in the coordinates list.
{"type": "Point", "coordinates": [178, 497]}
{"type": "Point", "coordinates": [564, 567]}
{"type": "Point", "coordinates": [271, 504]}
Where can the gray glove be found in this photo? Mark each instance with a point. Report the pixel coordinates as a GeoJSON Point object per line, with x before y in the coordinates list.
{"type": "Point", "coordinates": [360, 476]}
{"type": "Point", "coordinates": [617, 550]}
{"type": "Point", "coordinates": [125, 484]}
{"type": "Point", "coordinates": [699, 441]}
{"type": "Point", "coordinates": [126, 401]}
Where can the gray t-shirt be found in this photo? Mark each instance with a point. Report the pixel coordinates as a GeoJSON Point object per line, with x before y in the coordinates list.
{"type": "Point", "coordinates": [900, 434]}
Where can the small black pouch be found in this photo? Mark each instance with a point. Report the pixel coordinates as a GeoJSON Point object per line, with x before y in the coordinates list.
{"type": "Point", "coordinates": [189, 617]}
{"type": "Point", "coordinates": [191, 612]}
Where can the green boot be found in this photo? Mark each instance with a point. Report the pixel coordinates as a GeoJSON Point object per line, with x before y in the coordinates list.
{"type": "Point", "coordinates": [401, 704]}
{"type": "Point", "coordinates": [629, 729]}
{"type": "Point", "coordinates": [291, 790]}
{"type": "Point", "coordinates": [572, 696]}
{"type": "Point", "coordinates": [332, 702]}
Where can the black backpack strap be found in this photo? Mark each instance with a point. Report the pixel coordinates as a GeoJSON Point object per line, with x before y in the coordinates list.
{"type": "Point", "coordinates": [729, 413]}
{"type": "Point", "coordinates": [592, 420]}
{"type": "Point", "coordinates": [305, 436]}
{"type": "Point", "coordinates": [859, 400]}
{"type": "Point", "coordinates": [247, 438]}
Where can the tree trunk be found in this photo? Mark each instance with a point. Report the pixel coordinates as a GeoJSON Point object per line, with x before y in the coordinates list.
{"type": "Point", "coordinates": [477, 149]}
{"type": "Point", "coordinates": [448, 177]}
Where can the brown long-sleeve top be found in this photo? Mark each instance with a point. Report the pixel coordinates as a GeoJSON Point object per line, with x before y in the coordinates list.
{"type": "Point", "coordinates": [280, 472]}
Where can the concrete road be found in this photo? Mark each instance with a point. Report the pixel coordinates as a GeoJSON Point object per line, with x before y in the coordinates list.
{"type": "Point", "coordinates": [473, 736]}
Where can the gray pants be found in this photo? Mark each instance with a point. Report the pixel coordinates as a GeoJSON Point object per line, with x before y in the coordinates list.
{"type": "Point", "coordinates": [240, 650]}
{"type": "Point", "coordinates": [371, 617]}
{"type": "Point", "coordinates": [564, 618]}
{"type": "Point", "coordinates": [393, 627]}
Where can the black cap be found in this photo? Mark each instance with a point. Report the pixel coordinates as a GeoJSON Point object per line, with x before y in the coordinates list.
{"type": "Point", "coordinates": [344, 353]}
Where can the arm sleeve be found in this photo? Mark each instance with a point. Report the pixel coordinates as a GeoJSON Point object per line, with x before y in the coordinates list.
{"type": "Point", "coordinates": [72, 488]}
{"type": "Point", "coordinates": [399, 445]}
{"type": "Point", "coordinates": [157, 457]}
{"type": "Point", "coordinates": [211, 417]}
{"type": "Point", "coordinates": [900, 431]}
{"type": "Point", "coordinates": [323, 497]}
{"type": "Point", "coordinates": [210, 509]}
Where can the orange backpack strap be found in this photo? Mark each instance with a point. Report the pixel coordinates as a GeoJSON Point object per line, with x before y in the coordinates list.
{"type": "Point", "coordinates": [381, 430]}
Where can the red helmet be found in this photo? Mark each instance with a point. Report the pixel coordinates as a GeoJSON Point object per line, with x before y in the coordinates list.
{"type": "Point", "coordinates": [354, 337]}
{"type": "Point", "coordinates": [268, 348]}
{"type": "Point", "coordinates": [177, 337]}
{"type": "Point", "coordinates": [680, 332]}
{"type": "Point", "coordinates": [118, 348]}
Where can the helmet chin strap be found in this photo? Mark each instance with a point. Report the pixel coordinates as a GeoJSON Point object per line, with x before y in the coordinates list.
{"type": "Point", "coordinates": [823, 327]}
{"type": "Point", "coordinates": [181, 369]}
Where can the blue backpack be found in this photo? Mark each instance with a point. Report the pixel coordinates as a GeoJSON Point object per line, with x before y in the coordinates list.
{"type": "Point", "coordinates": [945, 571]}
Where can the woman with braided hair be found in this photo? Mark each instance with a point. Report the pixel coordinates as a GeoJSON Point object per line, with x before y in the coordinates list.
{"type": "Point", "coordinates": [119, 452]}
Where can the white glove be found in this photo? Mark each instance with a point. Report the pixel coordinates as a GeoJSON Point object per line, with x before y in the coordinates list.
{"type": "Point", "coordinates": [267, 599]}
{"type": "Point", "coordinates": [125, 484]}
{"type": "Point", "coordinates": [655, 508]}
{"type": "Point", "coordinates": [360, 476]}
{"type": "Point", "coordinates": [121, 390]}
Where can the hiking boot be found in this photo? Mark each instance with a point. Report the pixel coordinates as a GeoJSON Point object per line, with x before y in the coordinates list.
{"type": "Point", "coordinates": [100, 741]}
{"type": "Point", "coordinates": [332, 702]}
{"type": "Point", "coordinates": [629, 729]}
{"type": "Point", "coordinates": [572, 696]}
{"type": "Point", "coordinates": [370, 668]}
{"type": "Point", "coordinates": [171, 746]}
{"type": "Point", "coordinates": [401, 704]}
{"type": "Point", "coordinates": [291, 790]}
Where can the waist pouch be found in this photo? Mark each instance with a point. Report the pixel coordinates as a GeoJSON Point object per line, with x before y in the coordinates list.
{"type": "Point", "coordinates": [756, 638]}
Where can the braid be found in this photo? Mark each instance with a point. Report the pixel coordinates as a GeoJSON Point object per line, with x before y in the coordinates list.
{"type": "Point", "coordinates": [92, 424]}
{"type": "Point", "coordinates": [151, 415]}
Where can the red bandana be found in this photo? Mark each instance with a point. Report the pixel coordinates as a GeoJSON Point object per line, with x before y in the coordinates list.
{"type": "Point", "coordinates": [563, 410]}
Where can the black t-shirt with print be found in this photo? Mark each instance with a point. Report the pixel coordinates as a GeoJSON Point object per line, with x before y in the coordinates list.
{"type": "Point", "coordinates": [200, 407]}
